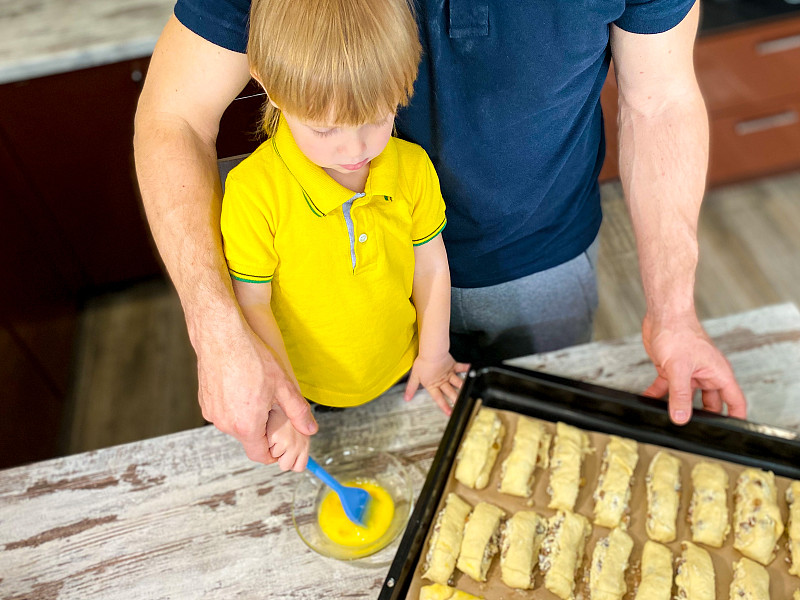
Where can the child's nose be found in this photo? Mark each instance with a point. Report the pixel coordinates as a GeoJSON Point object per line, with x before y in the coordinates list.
{"type": "Point", "coordinates": [354, 147]}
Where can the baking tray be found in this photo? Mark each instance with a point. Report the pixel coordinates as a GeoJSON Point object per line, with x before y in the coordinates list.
{"type": "Point", "coordinates": [591, 407]}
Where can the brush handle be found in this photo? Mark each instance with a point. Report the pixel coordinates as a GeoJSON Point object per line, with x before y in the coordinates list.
{"type": "Point", "coordinates": [326, 477]}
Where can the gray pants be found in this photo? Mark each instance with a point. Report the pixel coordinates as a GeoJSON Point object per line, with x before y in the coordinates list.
{"type": "Point", "coordinates": [545, 311]}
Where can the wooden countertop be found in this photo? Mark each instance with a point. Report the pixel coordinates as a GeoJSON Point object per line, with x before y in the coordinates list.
{"type": "Point", "coordinates": [55, 36]}
{"type": "Point", "coordinates": [188, 516]}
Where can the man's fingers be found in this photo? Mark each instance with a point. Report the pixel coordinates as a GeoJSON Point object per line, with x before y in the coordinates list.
{"type": "Point", "coordinates": [298, 411]}
{"type": "Point", "coordinates": [737, 404]}
{"type": "Point", "coordinates": [657, 389]}
{"type": "Point", "coordinates": [462, 367]}
{"type": "Point", "coordinates": [712, 401]}
{"type": "Point", "coordinates": [680, 394]}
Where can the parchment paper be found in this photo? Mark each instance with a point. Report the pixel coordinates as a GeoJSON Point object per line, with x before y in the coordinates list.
{"type": "Point", "coordinates": [782, 584]}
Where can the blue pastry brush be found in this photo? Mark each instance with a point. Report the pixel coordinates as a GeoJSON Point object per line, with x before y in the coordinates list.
{"type": "Point", "coordinates": [355, 501]}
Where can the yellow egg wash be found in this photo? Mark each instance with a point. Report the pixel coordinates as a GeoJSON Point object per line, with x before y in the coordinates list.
{"type": "Point", "coordinates": [341, 530]}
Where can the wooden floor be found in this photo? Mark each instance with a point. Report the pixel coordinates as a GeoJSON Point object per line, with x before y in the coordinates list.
{"type": "Point", "coordinates": [136, 373]}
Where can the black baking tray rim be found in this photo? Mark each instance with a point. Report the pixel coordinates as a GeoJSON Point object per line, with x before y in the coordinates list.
{"type": "Point", "coordinates": [591, 407]}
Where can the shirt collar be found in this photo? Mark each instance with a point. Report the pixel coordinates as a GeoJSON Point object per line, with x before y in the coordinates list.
{"type": "Point", "coordinates": [321, 192]}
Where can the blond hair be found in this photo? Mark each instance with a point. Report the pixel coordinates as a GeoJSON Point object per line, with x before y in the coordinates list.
{"type": "Point", "coordinates": [353, 61]}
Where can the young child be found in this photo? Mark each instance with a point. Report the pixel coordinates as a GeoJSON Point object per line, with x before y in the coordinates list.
{"type": "Point", "coordinates": [332, 227]}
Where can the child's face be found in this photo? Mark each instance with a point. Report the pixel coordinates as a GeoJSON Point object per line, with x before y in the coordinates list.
{"type": "Point", "coordinates": [346, 150]}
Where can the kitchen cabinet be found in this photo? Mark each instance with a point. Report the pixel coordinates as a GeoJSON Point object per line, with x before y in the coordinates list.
{"type": "Point", "coordinates": [749, 77]}
{"type": "Point", "coordinates": [38, 319]}
{"type": "Point", "coordinates": [71, 135]}
{"type": "Point", "coordinates": [72, 226]}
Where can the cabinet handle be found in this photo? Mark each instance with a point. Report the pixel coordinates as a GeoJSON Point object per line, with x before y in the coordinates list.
{"type": "Point", "coordinates": [787, 117]}
{"type": "Point", "coordinates": [784, 44]}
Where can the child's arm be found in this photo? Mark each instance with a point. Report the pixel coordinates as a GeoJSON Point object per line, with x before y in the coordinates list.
{"type": "Point", "coordinates": [434, 368]}
{"type": "Point", "coordinates": [285, 443]}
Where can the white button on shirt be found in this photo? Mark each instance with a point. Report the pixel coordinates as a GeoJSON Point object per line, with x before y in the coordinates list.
{"type": "Point", "coordinates": [362, 238]}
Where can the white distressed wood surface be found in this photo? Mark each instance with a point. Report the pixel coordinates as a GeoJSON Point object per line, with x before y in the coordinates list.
{"type": "Point", "coordinates": [188, 516]}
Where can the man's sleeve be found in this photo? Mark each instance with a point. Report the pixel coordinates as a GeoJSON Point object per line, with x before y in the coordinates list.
{"type": "Point", "coordinates": [221, 22]}
{"type": "Point", "coordinates": [653, 16]}
{"type": "Point", "coordinates": [428, 218]}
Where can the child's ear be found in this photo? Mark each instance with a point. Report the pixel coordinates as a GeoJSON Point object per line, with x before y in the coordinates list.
{"type": "Point", "coordinates": [254, 76]}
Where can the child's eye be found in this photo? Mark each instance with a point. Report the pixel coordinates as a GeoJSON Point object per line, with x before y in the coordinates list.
{"type": "Point", "coordinates": [324, 132]}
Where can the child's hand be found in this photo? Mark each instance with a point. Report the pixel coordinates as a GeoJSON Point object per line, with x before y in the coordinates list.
{"type": "Point", "coordinates": [440, 377]}
{"type": "Point", "coordinates": [286, 444]}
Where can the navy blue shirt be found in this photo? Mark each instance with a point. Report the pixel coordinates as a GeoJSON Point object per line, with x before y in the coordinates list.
{"type": "Point", "coordinates": [507, 105]}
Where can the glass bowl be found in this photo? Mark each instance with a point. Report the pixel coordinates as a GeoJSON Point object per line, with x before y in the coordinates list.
{"type": "Point", "coordinates": [348, 464]}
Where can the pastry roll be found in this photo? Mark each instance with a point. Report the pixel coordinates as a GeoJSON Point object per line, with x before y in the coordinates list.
{"type": "Point", "coordinates": [479, 449]}
{"type": "Point", "coordinates": [480, 541]}
{"type": "Point", "coordinates": [656, 583]}
{"type": "Point", "coordinates": [793, 499]}
{"type": "Point", "coordinates": [757, 520]}
{"type": "Point", "coordinates": [663, 497]}
{"type": "Point", "coordinates": [437, 591]}
{"type": "Point", "coordinates": [531, 445]}
{"type": "Point", "coordinates": [562, 551]}
{"type": "Point", "coordinates": [519, 551]}
{"type": "Point", "coordinates": [446, 540]}
{"type": "Point", "coordinates": [614, 484]}
{"type": "Point", "coordinates": [695, 574]}
{"type": "Point", "coordinates": [750, 581]}
{"type": "Point", "coordinates": [570, 446]}
{"type": "Point", "coordinates": [708, 511]}
{"type": "Point", "coordinates": [609, 563]}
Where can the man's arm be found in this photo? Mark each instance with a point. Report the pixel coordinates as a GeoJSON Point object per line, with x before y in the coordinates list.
{"type": "Point", "coordinates": [663, 157]}
{"type": "Point", "coordinates": [189, 84]}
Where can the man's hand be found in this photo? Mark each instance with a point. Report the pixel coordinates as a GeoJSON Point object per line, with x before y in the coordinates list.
{"type": "Point", "coordinates": [240, 382]}
{"type": "Point", "coordinates": [440, 376]}
{"type": "Point", "coordinates": [686, 359]}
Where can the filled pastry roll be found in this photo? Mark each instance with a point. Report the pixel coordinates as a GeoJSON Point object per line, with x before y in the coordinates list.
{"type": "Point", "coordinates": [609, 563]}
{"type": "Point", "coordinates": [656, 583]}
{"type": "Point", "coordinates": [663, 497]}
{"type": "Point", "coordinates": [531, 447]}
{"type": "Point", "coordinates": [695, 574]}
{"type": "Point", "coordinates": [446, 540]}
{"type": "Point", "coordinates": [793, 499]}
{"type": "Point", "coordinates": [437, 591]}
{"type": "Point", "coordinates": [757, 522]}
{"type": "Point", "coordinates": [479, 449]}
{"type": "Point", "coordinates": [519, 550]}
{"type": "Point", "coordinates": [480, 541]}
{"type": "Point", "coordinates": [570, 446]}
{"type": "Point", "coordinates": [750, 581]}
{"type": "Point", "coordinates": [708, 511]}
{"type": "Point", "coordinates": [614, 484]}
{"type": "Point", "coordinates": [562, 552]}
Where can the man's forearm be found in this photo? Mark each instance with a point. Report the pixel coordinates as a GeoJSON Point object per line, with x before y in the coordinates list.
{"type": "Point", "coordinates": [663, 163]}
{"type": "Point", "coordinates": [180, 189]}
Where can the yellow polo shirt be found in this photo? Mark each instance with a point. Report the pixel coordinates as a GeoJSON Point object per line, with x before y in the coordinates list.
{"type": "Point", "coordinates": [350, 332]}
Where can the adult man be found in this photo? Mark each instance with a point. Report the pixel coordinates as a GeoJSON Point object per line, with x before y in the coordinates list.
{"type": "Point", "coordinates": [507, 105]}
